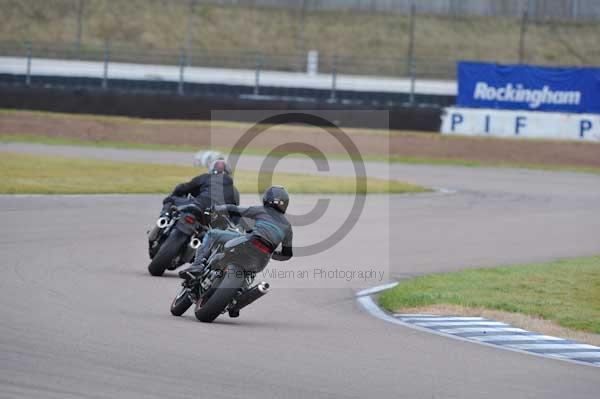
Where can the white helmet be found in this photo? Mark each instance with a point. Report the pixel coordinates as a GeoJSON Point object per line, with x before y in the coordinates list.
{"type": "Point", "coordinates": [219, 166]}
{"type": "Point", "coordinates": [206, 158]}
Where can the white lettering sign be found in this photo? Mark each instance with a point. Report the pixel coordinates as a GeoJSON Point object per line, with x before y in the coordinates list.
{"type": "Point", "coordinates": [519, 94]}
{"type": "Point", "coordinates": [515, 123]}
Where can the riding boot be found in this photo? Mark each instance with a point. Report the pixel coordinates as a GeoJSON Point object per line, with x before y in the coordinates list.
{"type": "Point", "coordinates": [194, 270]}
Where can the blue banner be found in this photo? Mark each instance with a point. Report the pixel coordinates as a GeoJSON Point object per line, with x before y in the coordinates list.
{"type": "Point", "coordinates": [527, 87]}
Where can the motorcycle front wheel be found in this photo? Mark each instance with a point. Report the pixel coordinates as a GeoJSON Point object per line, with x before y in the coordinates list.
{"type": "Point", "coordinates": [181, 302]}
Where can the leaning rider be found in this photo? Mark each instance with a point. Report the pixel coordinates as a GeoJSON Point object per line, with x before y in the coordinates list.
{"type": "Point", "coordinates": [271, 228]}
{"type": "Point", "coordinates": [213, 188]}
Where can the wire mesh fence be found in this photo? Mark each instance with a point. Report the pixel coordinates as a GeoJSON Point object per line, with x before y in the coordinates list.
{"type": "Point", "coordinates": [380, 38]}
{"type": "Point", "coordinates": [538, 9]}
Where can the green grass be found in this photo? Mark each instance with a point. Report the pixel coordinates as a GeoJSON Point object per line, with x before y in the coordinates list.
{"type": "Point", "coordinates": [29, 174]}
{"type": "Point", "coordinates": [566, 291]}
{"type": "Point", "coordinates": [34, 139]}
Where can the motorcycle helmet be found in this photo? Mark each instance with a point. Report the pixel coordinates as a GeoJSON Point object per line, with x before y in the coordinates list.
{"type": "Point", "coordinates": [219, 166]}
{"type": "Point", "coordinates": [276, 197]}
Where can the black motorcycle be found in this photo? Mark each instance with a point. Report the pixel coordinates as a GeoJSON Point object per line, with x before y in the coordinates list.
{"type": "Point", "coordinates": [225, 283]}
{"type": "Point", "coordinates": [174, 239]}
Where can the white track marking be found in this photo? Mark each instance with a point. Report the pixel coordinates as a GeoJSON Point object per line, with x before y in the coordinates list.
{"type": "Point", "coordinates": [497, 331]}
{"type": "Point", "coordinates": [443, 319]}
{"type": "Point", "coordinates": [492, 338]}
{"type": "Point", "coordinates": [462, 323]}
{"type": "Point", "coordinates": [403, 315]}
{"type": "Point", "coordinates": [582, 355]}
{"type": "Point", "coordinates": [552, 346]}
{"type": "Point", "coordinates": [481, 330]}
{"type": "Point", "coordinates": [374, 290]}
{"type": "Point", "coordinates": [367, 302]}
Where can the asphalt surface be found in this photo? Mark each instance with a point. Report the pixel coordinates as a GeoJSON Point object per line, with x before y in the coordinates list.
{"type": "Point", "coordinates": [80, 316]}
{"type": "Point", "coordinates": [247, 77]}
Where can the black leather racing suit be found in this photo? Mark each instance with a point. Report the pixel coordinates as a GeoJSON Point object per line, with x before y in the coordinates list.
{"type": "Point", "coordinates": [207, 189]}
{"type": "Point", "coordinates": [271, 227]}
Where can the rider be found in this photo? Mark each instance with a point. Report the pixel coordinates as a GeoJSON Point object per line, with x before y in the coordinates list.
{"type": "Point", "coordinates": [212, 188]}
{"type": "Point", "coordinates": [270, 229]}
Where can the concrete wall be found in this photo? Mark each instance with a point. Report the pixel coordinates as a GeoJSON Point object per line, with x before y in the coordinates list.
{"type": "Point", "coordinates": [172, 106]}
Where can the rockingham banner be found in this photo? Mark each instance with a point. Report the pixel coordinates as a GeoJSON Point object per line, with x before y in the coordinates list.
{"type": "Point", "coordinates": [526, 124]}
{"type": "Point", "coordinates": [528, 87]}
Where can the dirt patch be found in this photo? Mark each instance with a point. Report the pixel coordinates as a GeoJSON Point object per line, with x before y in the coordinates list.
{"type": "Point", "coordinates": [529, 323]}
{"type": "Point", "coordinates": [414, 145]}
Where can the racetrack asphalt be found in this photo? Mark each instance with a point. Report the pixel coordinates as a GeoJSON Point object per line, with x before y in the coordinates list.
{"type": "Point", "coordinates": [81, 318]}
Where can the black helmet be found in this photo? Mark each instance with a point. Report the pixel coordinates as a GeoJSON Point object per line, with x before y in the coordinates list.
{"type": "Point", "coordinates": [219, 166]}
{"type": "Point", "coordinates": [276, 197]}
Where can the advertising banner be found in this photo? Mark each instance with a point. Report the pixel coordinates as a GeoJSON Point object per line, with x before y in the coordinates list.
{"type": "Point", "coordinates": [527, 87]}
{"type": "Point", "coordinates": [525, 124]}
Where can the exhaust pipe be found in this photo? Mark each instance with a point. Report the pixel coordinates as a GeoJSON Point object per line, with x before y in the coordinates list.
{"type": "Point", "coordinates": [161, 223]}
{"type": "Point", "coordinates": [195, 243]}
{"type": "Point", "coordinates": [251, 295]}
{"type": "Point", "coordinates": [263, 287]}
{"type": "Point", "coordinates": [190, 250]}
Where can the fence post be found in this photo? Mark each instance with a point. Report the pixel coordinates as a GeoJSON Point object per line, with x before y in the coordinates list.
{"type": "Point", "coordinates": [522, 36]}
{"type": "Point", "coordinates": [300, 40]}
{"type": "Point", "coordinates": [411, 53]}
{"type": "Point", "coordinates": [574, 10]}
{"type": "Point", "coordinates": [257, 73]}
{"type": "Point", "coordinates": [106, 60]}
{"type": "Point", "coordinates": [190, 31]}
{"type": "Point", "coordinates": [80, 6]}
{"type": "Point", "coordinates": [332, 97]}
{"type": "Point", "coordinates": [182, 62]}
{"type": "Point", "coordinates": [28, 73]}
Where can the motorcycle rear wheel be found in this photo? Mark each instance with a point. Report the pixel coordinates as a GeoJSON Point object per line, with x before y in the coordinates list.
{"type": "Point", "coordinates": [208, 309]}
{"type": "Point", "coordinates": [167, 252]}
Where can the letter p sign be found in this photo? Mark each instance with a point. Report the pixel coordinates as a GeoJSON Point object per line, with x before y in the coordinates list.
{"type": "Point", "coordinates": [584, 126]}
{"type": "Point", "coordinates": [457, 119]}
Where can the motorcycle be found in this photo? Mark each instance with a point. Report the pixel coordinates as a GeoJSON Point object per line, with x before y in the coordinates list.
{"type": "Point", "coordinates": [174, 239]}
{"type": "Point", "coordinates": [225, 283]}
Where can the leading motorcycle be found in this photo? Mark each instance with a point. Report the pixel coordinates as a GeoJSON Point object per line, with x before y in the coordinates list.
{"type": "Point", "coordinates": [174, 239]}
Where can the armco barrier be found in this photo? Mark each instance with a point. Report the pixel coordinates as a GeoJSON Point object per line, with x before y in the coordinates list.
{"type": "Point", "coordinates": [165, 105]}
{"type": "Point", "coordinates": [510, 123]}
{"type": "Point", "coordinates": [368, 99]}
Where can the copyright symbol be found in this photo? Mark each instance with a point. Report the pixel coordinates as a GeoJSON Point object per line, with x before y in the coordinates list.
{"type": "Point", "coordinates": [268, 165]}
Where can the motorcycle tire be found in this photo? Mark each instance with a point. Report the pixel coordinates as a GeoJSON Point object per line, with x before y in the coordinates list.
{"type": "Point", "coordinates": [208, 309]}
{"type": "Point", "coordinates": [167, 252]}
{"type": "Point", "coordinates": [181, 303]}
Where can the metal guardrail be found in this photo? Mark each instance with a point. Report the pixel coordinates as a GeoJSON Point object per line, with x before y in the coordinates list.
{"type": "Point", "coordinates": [390, 66]}
{"type": "Point", "coordinates": [306, 95]}
{"type": "Point", "coordinates": [332, 65]}
{"type": "Point", "coordinates": [538, 9]}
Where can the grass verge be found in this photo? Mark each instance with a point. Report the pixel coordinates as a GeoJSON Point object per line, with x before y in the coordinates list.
{"type": "Point", "coordinates": [566, 292]}
{"type": "Point", "coordinates": [35, 139]}
{"type": "Point", "coordinates": [153, 29]}
{"type": "Point", "coordinates": [29, 174]}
